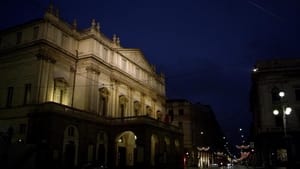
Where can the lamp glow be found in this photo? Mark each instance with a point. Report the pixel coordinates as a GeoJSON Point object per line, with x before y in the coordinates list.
{"type": "Point", "coordinates": [281, 94]}
{"type": "Point", "coordinates": [275, 112]}
{"type": "Point", "coordinates": [288, 111]}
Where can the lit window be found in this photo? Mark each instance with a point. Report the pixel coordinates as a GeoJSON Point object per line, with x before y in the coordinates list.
{"type": "Point", "coordinates": [60, 90]}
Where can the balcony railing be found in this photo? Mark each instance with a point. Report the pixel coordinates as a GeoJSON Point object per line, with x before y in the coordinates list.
{"type": "Point", "coordinates": [25, 111]}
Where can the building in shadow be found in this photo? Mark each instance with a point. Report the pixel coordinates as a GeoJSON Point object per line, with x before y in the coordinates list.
{"type": "Point", "coordinates": [203, 138]}
{"type": "Point", "coordinates": [70, 97]}
{"type": "Point", "coordinates": [276, 127]}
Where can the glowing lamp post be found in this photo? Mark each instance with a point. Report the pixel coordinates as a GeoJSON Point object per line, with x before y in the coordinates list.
{"type": "Point", "coordinates": [285, 112]}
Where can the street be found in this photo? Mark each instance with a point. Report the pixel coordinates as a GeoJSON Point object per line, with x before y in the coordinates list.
{"type": "Point", "coordinates": [233, 167]}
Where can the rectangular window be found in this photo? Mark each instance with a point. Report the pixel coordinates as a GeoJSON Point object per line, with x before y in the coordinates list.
{"type": "Point", "coordinates": [171, 114]}
{"type": "Point", "coordinates": [27, 94]}
{"type": "Point", "coordinates": [65, 41]}
{"type": "Point", "coordinates": [124, 64]}
{"type": "Point", "coordinates": [35, 32]}
{"type": "Point", "coordinates": [181, 112]}
{"type": "Point", "coordinates": [297, 94]}
{"type": "Point", "coordinates": [22, 129]}
{"type": "Point", "coordinates": [10, 92]}
{"type": "Point", "coordinates": [180, 125]}
{"type": "Point", "coordinates": [19, 37]}
{"type": "Point", "coordinates": [104, 53]}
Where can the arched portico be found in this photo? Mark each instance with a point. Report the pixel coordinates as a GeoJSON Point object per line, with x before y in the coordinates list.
{"type": "Point", "coordinates": [125, 145]}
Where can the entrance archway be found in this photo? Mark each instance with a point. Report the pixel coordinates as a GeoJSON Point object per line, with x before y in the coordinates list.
{"type": "Point", "coordinates": [70, 146]}
{"type": "Point", "coordinates": [101, 152]}
{"type": "Point", "coordinates": [125, 146]}
{"type": "Point", "coordinates": [154, 150]}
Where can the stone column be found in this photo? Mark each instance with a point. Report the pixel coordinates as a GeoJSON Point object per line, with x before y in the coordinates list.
{"type": "Point", "coordinates": [45, 69]}
{"type": "Point", "coordinates": [154, 115]}
{"type": "Point", "coordinates": [88, 88]}
{"type": "Point", "coordinates": [115, 99]}
{"type": "Point", "coordinates": [143, 109]}
{"type": "Point", "coordinates": [130, 104]}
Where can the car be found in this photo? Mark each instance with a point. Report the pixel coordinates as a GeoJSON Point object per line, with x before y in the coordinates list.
{"type": "Point", "coordinates": [93, 165]}
{"type": "Point", "coordinates": [213, 166]}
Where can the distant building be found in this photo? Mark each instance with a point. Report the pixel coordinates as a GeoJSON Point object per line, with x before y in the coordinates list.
{"type": "Point", "coordinates": [274, 146]}
{"type": "Point", "coordinates": [203, 137]}
{"type": "Point", "coordinates": [69, 97]}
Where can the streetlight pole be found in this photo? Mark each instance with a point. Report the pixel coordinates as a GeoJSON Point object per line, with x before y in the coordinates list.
{"type": "Point", "coordinates": [285, 112]}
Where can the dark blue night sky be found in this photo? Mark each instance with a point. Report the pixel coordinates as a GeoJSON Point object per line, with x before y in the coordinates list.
{"type": "Point", "coordinates": [206, 48]}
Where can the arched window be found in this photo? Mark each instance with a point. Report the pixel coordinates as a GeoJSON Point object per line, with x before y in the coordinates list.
{"type": "Point", "coordinates": [122, 106]}
{"type": "Point", "coordinates": [137, 108]}
{"type": "Point", "coordinates": [148, 111]}
{"type": "Point", "coordinates": [103, 101]}
{"type": "Point", "coordinates": [60, 90]}
{"type": "Point", "coordinates": [71, 131]}
{"type": "Point", "coordinates": [159, 115]}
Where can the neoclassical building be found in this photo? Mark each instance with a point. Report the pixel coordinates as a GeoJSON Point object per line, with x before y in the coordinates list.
{"type": "Point", "coordinates": [276, 136]}
{"type": "Point", "coordinates": [69, 97]}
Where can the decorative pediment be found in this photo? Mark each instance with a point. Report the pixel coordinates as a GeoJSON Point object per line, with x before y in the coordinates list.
{"type": "Point", "coordinates": [136, 56]}
{"type": "Point", "coordinates": [60, 82]}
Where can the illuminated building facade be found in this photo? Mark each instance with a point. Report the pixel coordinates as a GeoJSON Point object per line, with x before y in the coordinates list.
{"type": "Point", "coordinates": [70, 97]}
{"type": "Point", "coordinates": [274, 146]}
{"type": "Point", "coordinates": [203, 137]}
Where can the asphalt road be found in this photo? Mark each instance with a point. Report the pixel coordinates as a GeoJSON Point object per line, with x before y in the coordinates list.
{"type": "Point", "coordinates": [233, 167]}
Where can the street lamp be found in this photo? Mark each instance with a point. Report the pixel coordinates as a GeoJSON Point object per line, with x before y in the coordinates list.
{"type": "Point", "coordinates": [285, 112]}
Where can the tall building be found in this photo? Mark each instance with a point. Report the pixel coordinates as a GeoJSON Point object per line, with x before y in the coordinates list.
{"type": "Point", "coordinates": [70, 97]}
{"type": "Point", "coordinates": [276, 134]}
{"type": "Point", "coordinates": [203, 137]}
